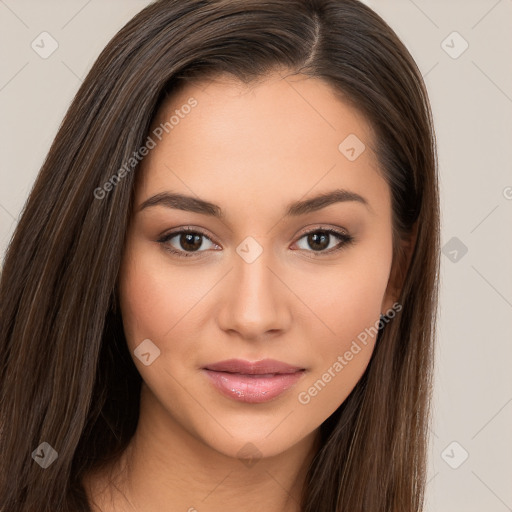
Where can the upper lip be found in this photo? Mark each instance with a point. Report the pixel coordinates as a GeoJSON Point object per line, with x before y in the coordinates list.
{"type": "Point", "coordinates": [252, 367]}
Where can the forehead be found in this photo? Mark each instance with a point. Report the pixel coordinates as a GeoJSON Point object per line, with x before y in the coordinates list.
{"type": "Point", "coordinates": [282, 136]}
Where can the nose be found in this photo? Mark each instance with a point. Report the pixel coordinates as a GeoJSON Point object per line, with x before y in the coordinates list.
{"type": "Point", "coordinates": [255, 302]}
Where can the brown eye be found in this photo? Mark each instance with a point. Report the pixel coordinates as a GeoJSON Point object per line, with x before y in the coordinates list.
{"type": "Point", "coordinates": [185, 242]}
{"type": "Point", "coordinates": [319, 240]}
{"type": "Point", "coordinates": [323, 241]}
{"type": "Point", "coordinates": [190, 242]}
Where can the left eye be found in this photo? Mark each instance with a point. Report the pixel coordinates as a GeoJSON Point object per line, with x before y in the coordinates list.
{"type": "Point", "coordinates": [320, 241]}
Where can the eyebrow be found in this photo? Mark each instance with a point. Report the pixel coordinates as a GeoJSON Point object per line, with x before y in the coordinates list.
{"type": "Point", "coordinates": [196, 205]}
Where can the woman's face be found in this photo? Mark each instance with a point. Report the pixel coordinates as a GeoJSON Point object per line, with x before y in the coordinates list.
{"type": "Point", "coordinates": [263, 275]}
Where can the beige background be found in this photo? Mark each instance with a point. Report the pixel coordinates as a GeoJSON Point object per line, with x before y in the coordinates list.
{"type": "Point", "coordinates": [472, 102]}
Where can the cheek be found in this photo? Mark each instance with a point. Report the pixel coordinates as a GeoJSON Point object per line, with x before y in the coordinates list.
{"type": "Point", "coordinates": [345, 298]}
{"type": "Point", "coordinates": [160, 303]}
{"type": "Point", "coordinates": [142, 295]}
{"type": "Point", "coordinates": [345, 305]}
{"type": "Point", "coordinates": [341, 352]}
{"type": "Point", "coordinates": [147, 298]}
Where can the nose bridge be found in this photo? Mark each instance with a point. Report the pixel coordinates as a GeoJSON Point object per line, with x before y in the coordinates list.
{"type": "Point", "coordinates": [253, 301]}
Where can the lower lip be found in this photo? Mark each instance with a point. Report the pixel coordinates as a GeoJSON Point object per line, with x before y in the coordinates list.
{"type": "Point", "coordinates": [252, 388]}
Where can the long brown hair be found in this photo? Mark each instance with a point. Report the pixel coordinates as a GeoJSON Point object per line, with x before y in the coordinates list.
{"type": "Point", "coordinates": [66, 376]}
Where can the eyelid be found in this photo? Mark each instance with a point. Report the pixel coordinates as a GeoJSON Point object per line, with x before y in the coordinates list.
{"type": "Point", "coordinates": [185, 229]}
{"type": "Point", "coordinates": [320, 227]}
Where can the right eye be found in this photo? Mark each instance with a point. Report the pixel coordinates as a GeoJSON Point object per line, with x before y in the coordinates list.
{"type": "Point", "coordinates": [188, 242]}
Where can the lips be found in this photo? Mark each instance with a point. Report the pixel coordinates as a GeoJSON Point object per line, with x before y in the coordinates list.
{"type": "Point", "coordinates": [265, 366]}
{"type": "Point", "coordinates": [252, 382]}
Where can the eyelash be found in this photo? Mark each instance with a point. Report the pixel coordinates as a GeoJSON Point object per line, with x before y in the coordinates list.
{"type": "Point", "coordinates": [345, 240]}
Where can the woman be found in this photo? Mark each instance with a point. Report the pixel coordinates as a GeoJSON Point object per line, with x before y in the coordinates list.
{"type": "Point", "coordinates": [222, 291]}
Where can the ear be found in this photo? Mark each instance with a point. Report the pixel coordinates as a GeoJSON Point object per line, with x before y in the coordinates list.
{"type": "Point", "coordinates": [399, 269]}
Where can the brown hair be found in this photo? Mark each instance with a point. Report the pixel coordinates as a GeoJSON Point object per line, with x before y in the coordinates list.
{"type": "Point", "coordinates": [67, 377]}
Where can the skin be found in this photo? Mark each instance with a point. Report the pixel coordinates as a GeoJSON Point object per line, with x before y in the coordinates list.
{"type": "Point", "coordinates": [252, 151]}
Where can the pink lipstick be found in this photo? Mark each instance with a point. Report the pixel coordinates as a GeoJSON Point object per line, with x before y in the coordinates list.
{"type": "Point", "coordinates": [252, 382]}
